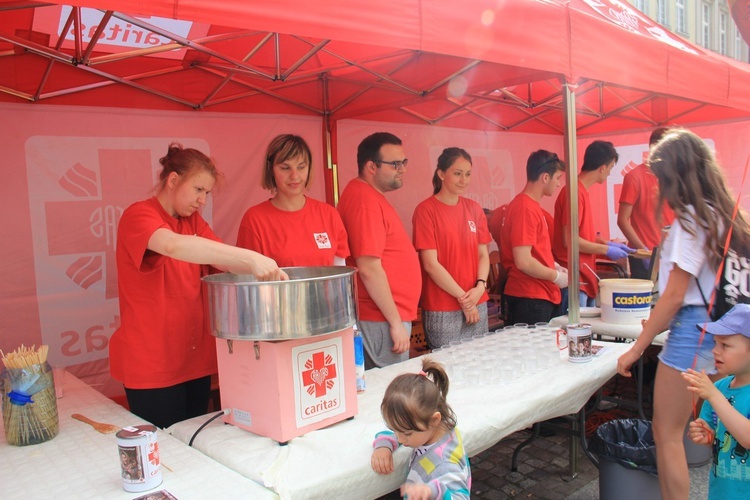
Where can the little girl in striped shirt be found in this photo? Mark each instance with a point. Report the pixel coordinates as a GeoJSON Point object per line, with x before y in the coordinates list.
{"type": "Point", "coordinates": [416, 412]}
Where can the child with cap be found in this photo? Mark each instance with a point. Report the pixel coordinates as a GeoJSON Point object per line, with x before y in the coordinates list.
{"type": "Point", "coordinates": [724, 421]}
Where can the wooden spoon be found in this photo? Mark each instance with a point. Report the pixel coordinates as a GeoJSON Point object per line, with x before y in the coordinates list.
{"type": "Point", "coordinates": [103, 428]}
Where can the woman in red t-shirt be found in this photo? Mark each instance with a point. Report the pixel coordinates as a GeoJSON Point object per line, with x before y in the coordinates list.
{"type": "Point", "coordinates": [290, 227]}
{"type": "Point", "coordinates": [161, 351]}
{"type": "Point", "coordinates": [451, 236]}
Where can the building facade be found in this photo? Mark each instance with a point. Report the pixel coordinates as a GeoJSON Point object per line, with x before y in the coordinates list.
{"type": "Point", "coordinates": [707, 23]}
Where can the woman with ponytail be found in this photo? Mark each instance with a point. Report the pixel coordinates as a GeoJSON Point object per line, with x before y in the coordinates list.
{"type": "Point", "coordinates": [451, 236]}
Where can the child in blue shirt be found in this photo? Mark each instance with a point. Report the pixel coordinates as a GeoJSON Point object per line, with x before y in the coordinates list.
{"type": "Point", "coordinates": [724, 421]}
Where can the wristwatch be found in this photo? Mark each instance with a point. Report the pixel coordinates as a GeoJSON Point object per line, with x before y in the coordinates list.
{"type": "Point", "coordinates": [484, 282]}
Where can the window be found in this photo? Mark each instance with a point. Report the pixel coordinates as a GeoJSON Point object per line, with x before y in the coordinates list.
{"type": "Point", "coordinates": [661, 12]}
{"type": "Point", "coordinates": [706, 26]}
{"type": "Point", "coordinates": [737, 44]}
{"type": "Point", "coordinates": [641, 5]}
{"type": "Point", "coordinates": [680, 13]}
{"type": "Point", "coordinates": [723, 33]}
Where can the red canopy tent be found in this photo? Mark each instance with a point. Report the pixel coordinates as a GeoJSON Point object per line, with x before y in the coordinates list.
{"type": "Point", "coordinates": [483, 65]}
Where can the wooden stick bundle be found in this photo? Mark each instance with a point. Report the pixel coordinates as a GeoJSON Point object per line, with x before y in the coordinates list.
{"type": "Point", "coordinates": [28, 373]}
{"type": "Point", "coordinates": [25, 356]}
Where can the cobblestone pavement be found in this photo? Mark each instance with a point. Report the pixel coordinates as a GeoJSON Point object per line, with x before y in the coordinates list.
{"type": "Point", "coordinates": [543, 471]}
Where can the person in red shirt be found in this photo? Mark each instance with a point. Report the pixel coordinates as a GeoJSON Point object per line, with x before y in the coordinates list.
{"type": "Point", "coordinates": [389, 279]}
{"type": "Point", "coordinates": [496, 222]}
{"type": "Point", "coordinates": [532, 291]}
{"type": "Point", "coordinates": [598, 160]}
{"type": "Point", "coordinates": [638, 217]}
{"type": "Point", "coordinates": [291, 228]}
{"type": "Point", "coordinates": [161, 352]}
{"type": "Point", "coordinates": [451, 235]}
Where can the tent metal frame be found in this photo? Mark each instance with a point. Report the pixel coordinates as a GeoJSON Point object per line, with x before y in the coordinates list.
{"type": "Point", "coordinates": [482, 103]}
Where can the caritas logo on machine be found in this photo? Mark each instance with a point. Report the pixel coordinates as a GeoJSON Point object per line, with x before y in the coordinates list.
{"type": "Point", "coordinates": [319, 382]}
{"type": "Point", "coordinates": [631, 300]}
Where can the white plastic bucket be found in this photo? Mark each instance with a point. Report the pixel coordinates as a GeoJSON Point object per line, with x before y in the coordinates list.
{"type": "Point", "coordinates": [625, 301]}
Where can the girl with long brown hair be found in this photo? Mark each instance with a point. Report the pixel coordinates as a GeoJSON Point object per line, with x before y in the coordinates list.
{"type": "Point", "coordinates": [691, 182]}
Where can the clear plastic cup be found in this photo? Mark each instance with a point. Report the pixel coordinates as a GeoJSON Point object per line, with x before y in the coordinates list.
{"type": "Point", "coordinates": [516, 364]}
{"type": "Point", "coordinates": [505, 374]}
{"type": "Point", "coordinates": [530, 363]}
{"type": "Point", "coordinates": [485, 375]}
{"type": "Point", "coordinates": [473, 374]}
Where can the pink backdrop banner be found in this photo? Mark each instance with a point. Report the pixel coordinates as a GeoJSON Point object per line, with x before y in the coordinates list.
{"type": "Point", "coordinates": [69, 172]}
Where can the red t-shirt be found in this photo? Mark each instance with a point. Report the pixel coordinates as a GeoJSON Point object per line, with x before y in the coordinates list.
{"type": "Point", "coordinates": [312, 236]}
{"type": "Point", "coordinates": [550, 225]}
{"type": "Point", "coordinates": [526, 225]}
{"type": "Point", "coordinates": [497, 221]}
{"type": "Point", "coordinates": [640, 188]}
{"type": "Point", "coordinates": [455, 231]}
{"type": "Point", "coordinates": [162, 339]}
{"type": "Point", "coordinates": [585, 231]}
{"type": "Point", "coordinates": [375, 230]}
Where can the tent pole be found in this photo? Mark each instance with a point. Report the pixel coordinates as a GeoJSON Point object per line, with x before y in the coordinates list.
{"type": "Point", "coordinates": [571, 165]}
{"type": "Point", "coordinates": [571, 171]}
{"type": "Point", "coordinates": [330, 168]}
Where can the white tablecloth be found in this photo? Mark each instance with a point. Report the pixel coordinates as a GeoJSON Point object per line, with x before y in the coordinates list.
{"type": "Point", "coordinates": [612, 330]}
{"type": "Point", "coordinates": [335, 462]}
{"type": "Point", "coordinates": [82, 463]}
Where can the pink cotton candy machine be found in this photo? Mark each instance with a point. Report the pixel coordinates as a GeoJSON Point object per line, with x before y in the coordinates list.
{"type": "Point", "coordinates": [285, 349]}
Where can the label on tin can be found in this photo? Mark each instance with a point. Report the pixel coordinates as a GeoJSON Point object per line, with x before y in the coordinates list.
{"type": "Point", "coordinates": [139, 458]}
{"type": "Point", "coordinates": [579, 343]}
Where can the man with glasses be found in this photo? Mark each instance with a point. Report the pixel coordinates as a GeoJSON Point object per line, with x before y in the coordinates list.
{"type": "Point", "coordinates": [598, 160]}
{"type": "Point", "coordinates": [532, 292]}
{"type": "Point", "coordinates": [389, 278]}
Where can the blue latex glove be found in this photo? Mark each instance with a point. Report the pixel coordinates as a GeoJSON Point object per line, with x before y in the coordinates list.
{"type": "Point", "coordinates": [617, 251]}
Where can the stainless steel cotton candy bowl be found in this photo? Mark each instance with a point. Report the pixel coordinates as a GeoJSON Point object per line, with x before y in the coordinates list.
{"type": "Point", "coordinates": [315, 301]}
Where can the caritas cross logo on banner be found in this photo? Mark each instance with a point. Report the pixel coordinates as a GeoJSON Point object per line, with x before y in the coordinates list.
{"type": "Point", "coordinates": [78, 189]}
{"type": "Point", "coordinates": [318, 381]}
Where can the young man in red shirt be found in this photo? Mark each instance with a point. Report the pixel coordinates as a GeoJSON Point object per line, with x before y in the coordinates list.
{"type": "Point", "coordinates": [638, 217]}
{"type": "Point", "coordinates": [598, 160]}
{"type": "Point", "coordinates": [532, 291]}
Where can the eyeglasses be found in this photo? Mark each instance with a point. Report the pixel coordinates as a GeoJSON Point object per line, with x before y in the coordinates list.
{"type": "Point", "coordinates": [398, 164]}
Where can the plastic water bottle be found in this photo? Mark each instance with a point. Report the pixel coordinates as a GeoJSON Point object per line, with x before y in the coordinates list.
{"type": "Point", "coordinates": [359, 360]}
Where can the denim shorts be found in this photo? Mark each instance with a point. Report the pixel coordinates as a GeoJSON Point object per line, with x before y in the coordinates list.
{"type": "Point", "coordinates": [682, 344]}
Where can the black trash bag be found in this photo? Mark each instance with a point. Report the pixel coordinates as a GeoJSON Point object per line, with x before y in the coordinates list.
{"type": "Point", "coordinates": [628, 442]}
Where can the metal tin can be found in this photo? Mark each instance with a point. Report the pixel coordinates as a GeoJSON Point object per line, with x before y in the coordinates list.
{"type": "Point", "coordinates": [139, 458]}
{"type": "Point", "coordinates": [579, 343]}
